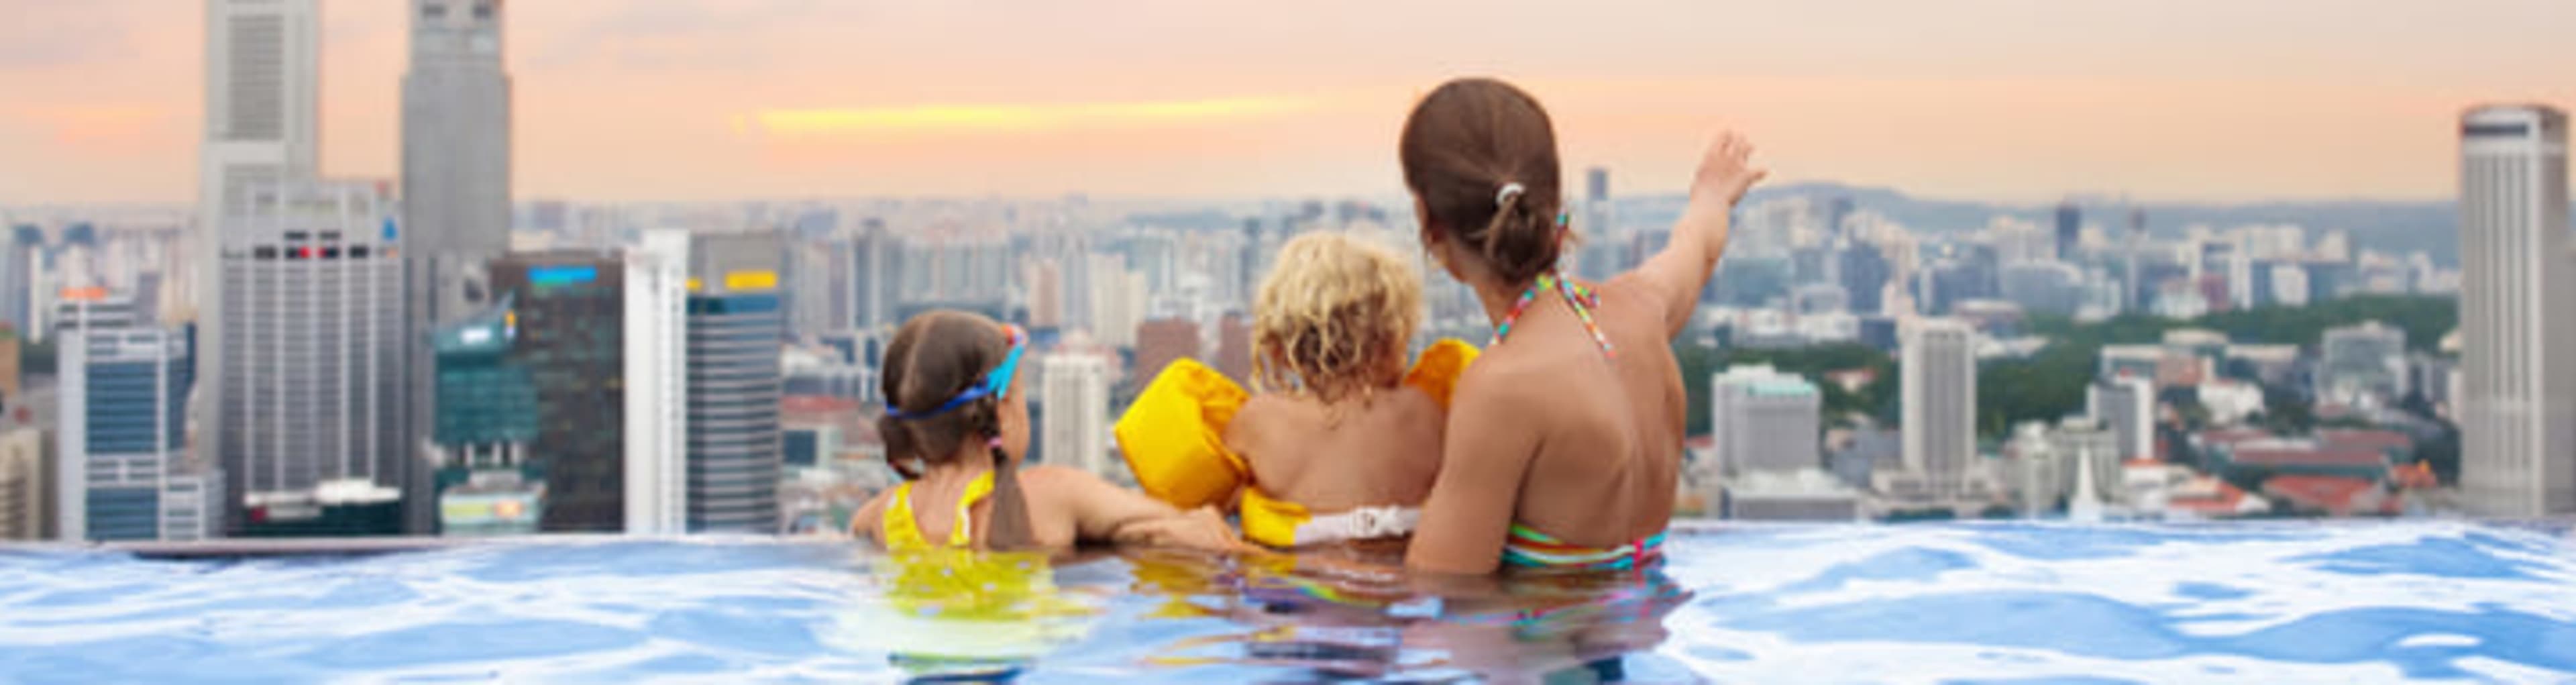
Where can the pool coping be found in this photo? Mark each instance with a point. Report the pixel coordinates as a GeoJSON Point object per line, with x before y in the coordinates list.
{"type": "Point", "coordinates": [238, 548]}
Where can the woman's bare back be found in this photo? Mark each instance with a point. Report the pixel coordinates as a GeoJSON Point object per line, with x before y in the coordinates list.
{"type": "Point", "coordinates": [1611, 426]}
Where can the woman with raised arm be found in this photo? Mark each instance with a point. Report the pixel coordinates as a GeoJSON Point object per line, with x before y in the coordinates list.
{"type": "Point", "coordinates": [1565, 438]}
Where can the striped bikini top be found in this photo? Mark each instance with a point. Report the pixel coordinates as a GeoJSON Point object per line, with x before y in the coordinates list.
{"type": "Point", "coordinates": [1528, 548]}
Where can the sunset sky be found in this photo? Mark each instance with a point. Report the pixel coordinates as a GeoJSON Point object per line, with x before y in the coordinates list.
{"type": "Point", "coordinates": [2013, 100]}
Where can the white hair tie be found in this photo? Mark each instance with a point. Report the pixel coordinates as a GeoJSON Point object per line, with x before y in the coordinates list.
{"type": "Point", "coordinates": [1509, 191]}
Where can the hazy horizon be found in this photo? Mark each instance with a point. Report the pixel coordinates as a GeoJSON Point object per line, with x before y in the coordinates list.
{"type": "Point", "coordinates": [2006, 101]}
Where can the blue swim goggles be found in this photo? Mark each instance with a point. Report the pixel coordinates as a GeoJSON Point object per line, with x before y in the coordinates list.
{"type": "Point", "coordinates": [995, 384]}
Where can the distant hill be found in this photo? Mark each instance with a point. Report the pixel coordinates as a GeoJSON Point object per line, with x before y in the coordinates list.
{"type": "Point", "coordinates": [2394, 227]}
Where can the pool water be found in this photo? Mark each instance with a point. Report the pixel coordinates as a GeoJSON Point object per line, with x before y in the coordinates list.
{"type": "Point", "coordinates": [1937, 603]}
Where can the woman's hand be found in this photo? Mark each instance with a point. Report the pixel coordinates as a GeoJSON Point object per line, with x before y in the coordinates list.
{"type": "Point", "coordinates": [1726, 171]}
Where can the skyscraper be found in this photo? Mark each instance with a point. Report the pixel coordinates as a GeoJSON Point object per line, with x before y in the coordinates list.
{"type": "Point", "coordinates": [123, 417]}
{"type": "Point", "coordinates": [2362, 363]}
{"type": "Point", "coordinates": [1765, 420]}
{"type": "Point", "coordinates": [2125, 405]}
{"type": "Point", "coordinates": [1159, 343]}
{"type": "Point", "coordinates": [876, 277]}
{"type": "Point", "coordinates": [735, 328]}
{"type": "Point", "coordinates": [488, 484]}
{"type": "Point", "coordinates": [1599, 220]}
{"type": "Point", "coordinates": [456, 130]}
{"type": "Point", "coordinates": [1234, 347]}
{"type": "Point", "coordinates": [2134, 296]}
{"type": "Point", "coordinates": [1863, 272]}
{"type": "Point", "coordinates": [455, 186]}
{"type": "Point", "coordinates": [574, 339]}
{"type": "Point", "coordinates": [1074, 388]}
{"type": "Point", "coordinates": [24, 512]}
{"type": "Point", "coordinates": [2517, 313]}
{"type": "Point", "coordinates": [310, 378]}
{"type": "Point", "coordinates": [17, 275]}
{"type": "Point", "coordinates": [2070, 227]}
{"type": "Point", "coordinates": [262, 111]}
{"type": "Point", "coordinates": [655, 369]}
{"type": "Point", "coordinates": [805, 286]}
{"type": "Point", "coordinates": [262, 80]}
{"type": "Point", "coordinates": [1940, 388]}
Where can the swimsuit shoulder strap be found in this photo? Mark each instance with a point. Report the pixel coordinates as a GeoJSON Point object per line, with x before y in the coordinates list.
{"type": "Point", "coordinates": [1577, 297]}
{"type": "Point", "coordinates": [902, 530]}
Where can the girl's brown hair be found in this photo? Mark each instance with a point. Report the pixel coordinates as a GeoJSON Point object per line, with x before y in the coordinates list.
{"type": "Point", "coordinates": [1333, 318]}
{"type": "Point", "coordinates": [1466, 142]}
{"type": "Point", "coordinates": [932, 359]}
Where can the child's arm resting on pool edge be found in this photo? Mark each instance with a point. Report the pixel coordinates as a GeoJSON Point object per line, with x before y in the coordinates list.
{"type": "Point", "coordinates": [1104, 512]}
{"type": "Point", "coordinates": [1699, 238]}
{"type": "Point", "coordinates": [1484, 457]}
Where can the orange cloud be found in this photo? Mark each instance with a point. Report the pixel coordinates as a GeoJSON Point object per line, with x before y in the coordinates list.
{"type": "Point", "coordinates": [1013, 118]}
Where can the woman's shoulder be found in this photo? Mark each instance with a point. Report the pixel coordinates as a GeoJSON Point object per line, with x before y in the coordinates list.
{"type": "Point", "coordinates": [1522, 374]}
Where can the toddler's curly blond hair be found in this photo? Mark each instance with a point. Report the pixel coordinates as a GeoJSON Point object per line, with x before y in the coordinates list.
{"type": "Point", "coordinates": [1333, 319]}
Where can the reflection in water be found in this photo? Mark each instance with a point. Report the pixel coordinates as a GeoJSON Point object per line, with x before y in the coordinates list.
{"type": "Point", "coordinates": [1331, 619]}
{"type": "Point", "coordinates": [960, 615]}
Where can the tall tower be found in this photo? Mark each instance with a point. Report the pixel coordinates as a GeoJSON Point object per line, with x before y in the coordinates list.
{"type": "Point", "coordinates": [262, 74]}
{"type": "Point", "coordinates": [2135, 299]}
{"type": "Point", "coordinates": [655, 368]}
{"type": "Point", "coordinates": [1075, 390]}
{"type": "Point", "coordinates": [1940, 386]}
{"type": "Point", "coordinates": [2070, 225]}
{"type": "Point", "coordinates": [2517, 313]}
{"type": "Point", "coordinates": [262, 111]}
{"type": "Point", "coordinates": [736, 325]}
{"type": "Point", "coordinates": [456, 130]}
{"type": "Point", "coordinates": [455, 187]}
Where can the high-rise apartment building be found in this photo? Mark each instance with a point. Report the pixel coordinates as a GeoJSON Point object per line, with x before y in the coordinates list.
{"type": "Point", "coordinates": [736, 327]}
{"type": "Point", "coordinates": [1234, 347]}
{"type": "Point", "coordinates": [2125, 405]}
{"type": "Point", "coordinates": [309, 385]}
{"type": "Point", "coordinates": [25, 483]}
{"type": "Point", "coordinates": [1074, 388]}
{"type": "Point", "coordinates": [1863, 272]}
{"type": "Point", "coordinates": [17, 276]}
{"type": "Point", "coordinates": [1599, 217]}
{"type": "Point", "coordinates": [1159, 343]}
{"type": "Point", "coordinates": [1940, 396]}
{"type": "Point", "coordinates": [2362, 364]}
{"type": "Point", "coordinates": [2070, 229]}
{"type": "Point", "coordinates": [2517, 313]}
{"type": "Point", "coordinates": [1765, 420]}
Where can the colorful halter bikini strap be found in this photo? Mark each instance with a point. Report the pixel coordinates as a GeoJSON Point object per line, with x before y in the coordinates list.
{"type": "Point", "coordinates": [1577, 297]}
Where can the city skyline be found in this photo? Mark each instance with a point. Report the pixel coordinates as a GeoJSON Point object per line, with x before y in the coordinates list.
{"type": "Point", "coordinates": [1988, 100]}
